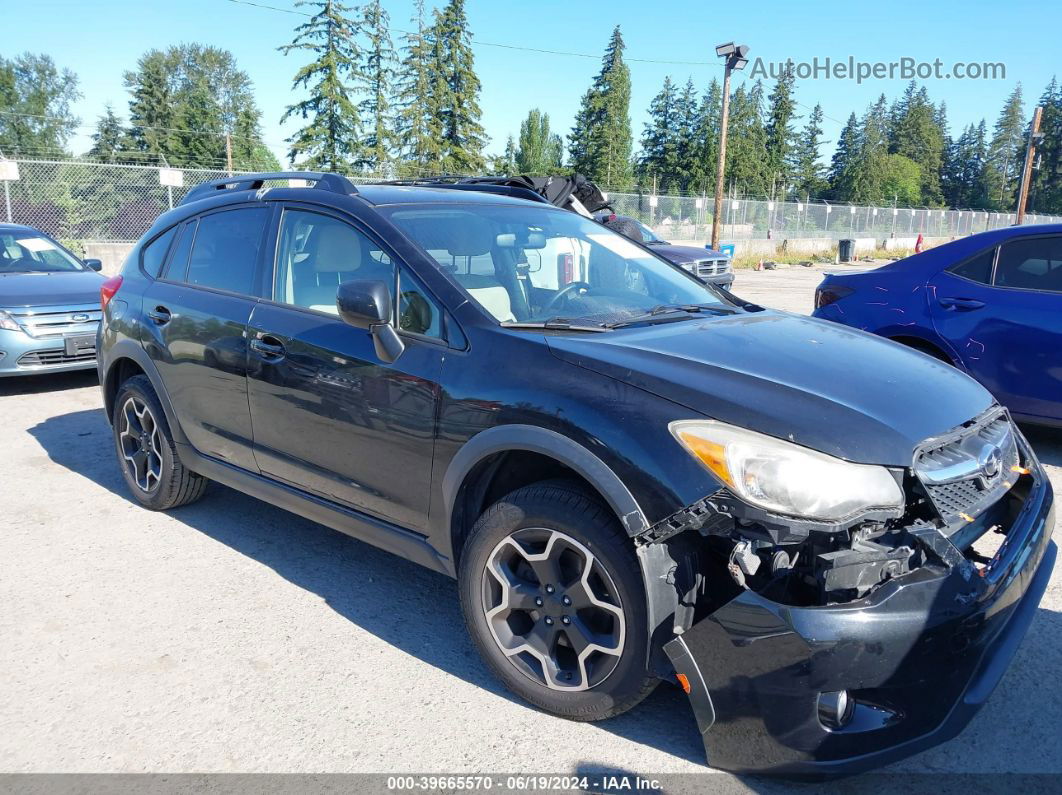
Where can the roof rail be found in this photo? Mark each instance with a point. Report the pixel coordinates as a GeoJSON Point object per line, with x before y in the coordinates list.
{"type": "Point", "coordinates": [479, 184]}
{"type": "Point", "coordinates": [238, 182]}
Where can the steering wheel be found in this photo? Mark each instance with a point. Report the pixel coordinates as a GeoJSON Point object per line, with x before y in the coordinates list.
{"type": "Point", "coordinates": [564, 293]}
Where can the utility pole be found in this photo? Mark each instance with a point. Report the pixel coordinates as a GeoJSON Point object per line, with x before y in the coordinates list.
{"type": "Point", "coordinates": [1035, 136]}
{"type": "Point", "coordinates": [228, 153]}
{"type": "Point", "coordinates": [735, 59]}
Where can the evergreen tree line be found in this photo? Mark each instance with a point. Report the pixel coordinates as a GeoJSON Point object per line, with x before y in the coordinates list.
{"type": "Point", "coordinates": [895, 153]}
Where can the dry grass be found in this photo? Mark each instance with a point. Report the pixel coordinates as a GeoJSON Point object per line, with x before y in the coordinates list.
{"type": "Point", "coordinates": [749, 261]}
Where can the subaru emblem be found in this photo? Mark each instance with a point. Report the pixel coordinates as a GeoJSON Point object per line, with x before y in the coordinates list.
{"type": "Point", "coordinates": [990, 462]}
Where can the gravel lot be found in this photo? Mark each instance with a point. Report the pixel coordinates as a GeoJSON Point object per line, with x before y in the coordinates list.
{"type": "Point", "coordinates": [232, 636]}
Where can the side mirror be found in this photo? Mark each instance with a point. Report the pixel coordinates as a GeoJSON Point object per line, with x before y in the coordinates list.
{"type": "Point", "coordinates": [367, 305]}
{"type": "Point", "coordinates": [94, 264]}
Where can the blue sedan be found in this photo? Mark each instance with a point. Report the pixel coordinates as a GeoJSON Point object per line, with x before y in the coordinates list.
{"type": "Point", "coordinates": [990, 304]}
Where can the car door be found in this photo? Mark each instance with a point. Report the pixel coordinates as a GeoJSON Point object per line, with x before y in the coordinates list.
{"type": "Point", "coordinates": [1001, 313]}
{"type": "Point", "coordinates": [195, 323]}
{"type": "Point", "coordinates": [329, 416]}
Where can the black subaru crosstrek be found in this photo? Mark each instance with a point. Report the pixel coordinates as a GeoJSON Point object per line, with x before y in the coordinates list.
{"type": "Point", "coordinates": [832, 543]}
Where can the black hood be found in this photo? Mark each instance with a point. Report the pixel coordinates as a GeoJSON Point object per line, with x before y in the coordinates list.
{"type": "Point", "coordinates": [825, 386]}
{"type": "Point", "coordinates": [681, 254]}
{"type": "Point", "coordinates": [50, 289]}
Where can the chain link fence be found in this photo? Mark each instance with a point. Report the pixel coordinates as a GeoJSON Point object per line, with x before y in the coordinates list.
{"type": "Point", "coordinates": [82, 203]}
{"type": "Point", "coordinates": [690, 218]}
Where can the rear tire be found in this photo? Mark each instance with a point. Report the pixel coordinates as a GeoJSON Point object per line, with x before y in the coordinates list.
{"type": "Point", "coordinates": [146, 452]}
{"type": "Point", "coordinates": [553, 598]}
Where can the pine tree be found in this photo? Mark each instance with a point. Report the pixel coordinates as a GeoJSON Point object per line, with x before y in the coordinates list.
{"type": "Point", "coordinates": [807, 173]}
{"type": "Point", "coordinates": [505, 163]}
{"type": "Point", "coordinates": [1003, 170]}
{"type": "Point", "coordinates": [377, 82]}
{"type": "Point", "coordinates": [842, 163]}
{"type": "Point", "coordinates": [151, 108]}
{"type": "Point", "coordinates": [687, 126]}
{"type": "Point", "coordinates": [332, 138]}
{"type": "Point", "coordinates": [601, 140]}
{"type": "Point", "coordinates": [457, 86]}
{"type": "Point", "coordinates": [781, 112]}
{"type": "Point", "coordinates": [867, 171]}
{"type": "Point", "coordinates": [706, 139]}
{"type": "Point", "coordinates": [417, 121]}
{"type": "Point", "coordinates": [746, 166]}
{"type": "Point", "coordinates": [916, 132]}
{"type": "Point", "coordinates": [1045, 188]}
{"type": "Point", "coordinates": [540, 151]}
{"type": "Point", "coordinates": [659, 161]}
{"type": "Point", "coordinates": [110, 142]}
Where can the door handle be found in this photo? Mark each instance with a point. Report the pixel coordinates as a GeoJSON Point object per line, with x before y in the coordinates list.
{"type": "Point", "coordinates": [161, 315]}
{"type": "Point", "coordinates": [960, 303]}
{"type": "Point", "coordinates": [268, 347]}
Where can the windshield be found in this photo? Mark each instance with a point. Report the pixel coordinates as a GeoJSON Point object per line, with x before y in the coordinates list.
{"type": "Point", "coordinates": [24, 252]}
{"type": "Point", "coordinates": [540, 265]}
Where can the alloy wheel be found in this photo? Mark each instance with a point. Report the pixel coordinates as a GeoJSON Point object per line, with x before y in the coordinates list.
{"type": "Point", "coordinates": [141, 444]}
{"type": "Point", "coordinates": [553, 609]}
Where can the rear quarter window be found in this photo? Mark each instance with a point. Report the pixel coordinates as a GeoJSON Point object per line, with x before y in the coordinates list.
{"type": "Point", "coordinates": [154, 253]}
{"type": "Point", "coordinates": [976, 269]}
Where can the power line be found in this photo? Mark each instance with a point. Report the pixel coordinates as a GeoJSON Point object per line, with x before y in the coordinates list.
{"type": "Point", "coordinates": [481, 43]}
{"type": "Point", "coordinates": [218, 133]}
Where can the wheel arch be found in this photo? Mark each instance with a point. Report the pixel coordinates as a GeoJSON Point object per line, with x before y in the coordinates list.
{"type": "Point", "coordinates": [125, 360]}
{"type": "Point", "coordinates": [503, 458]}
{"type": "Point", "coordinates": [926, 346]}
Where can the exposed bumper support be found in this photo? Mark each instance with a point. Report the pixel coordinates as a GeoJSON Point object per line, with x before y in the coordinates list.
{"type": "Point", "coordinates": [918, 656]}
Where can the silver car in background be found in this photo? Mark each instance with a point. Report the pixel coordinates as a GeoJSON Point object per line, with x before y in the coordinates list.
{"type": "Point", "coordinates": [49, 305]}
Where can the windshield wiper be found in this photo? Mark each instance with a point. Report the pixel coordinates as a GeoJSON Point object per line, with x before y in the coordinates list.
{"type": "Point", "coordinates": [663, 311]}
{"type": "Point", "coordinates": [557, 323]}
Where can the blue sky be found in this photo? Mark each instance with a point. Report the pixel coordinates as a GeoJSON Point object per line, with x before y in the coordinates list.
{"type": "Point", "coordinates": [100, 40]}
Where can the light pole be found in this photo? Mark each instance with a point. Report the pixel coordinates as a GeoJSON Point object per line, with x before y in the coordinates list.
{"type": "Point", "coordinates": [735, 59]}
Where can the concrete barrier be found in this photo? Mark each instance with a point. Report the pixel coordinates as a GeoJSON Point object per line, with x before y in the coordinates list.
{"type": "Point", "coordinates": [111, 252]}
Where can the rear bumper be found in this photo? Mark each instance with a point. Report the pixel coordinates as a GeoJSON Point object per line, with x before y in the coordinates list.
{"type": "Point", "coordinates": [919, 657]}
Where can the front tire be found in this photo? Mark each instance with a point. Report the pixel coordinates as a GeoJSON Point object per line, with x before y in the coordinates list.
{"type": "Point", "coordinates": [553, 598]}
{"type": "Point", "coordinates": [146, 453]}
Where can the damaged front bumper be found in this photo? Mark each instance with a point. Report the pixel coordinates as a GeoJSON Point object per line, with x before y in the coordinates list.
{"type": "Point", "coordinates": [915, 659]}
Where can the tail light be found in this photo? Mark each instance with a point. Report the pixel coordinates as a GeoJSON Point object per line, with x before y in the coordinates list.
{"type": "Point", "coordinates": [566, 268]}
{"type": "Point", "coordinates": [108, 289]}
{"type": "Point", "coordinates": [828, 294]}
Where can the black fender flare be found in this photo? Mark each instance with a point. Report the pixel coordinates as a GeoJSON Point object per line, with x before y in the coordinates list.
{"type": "Point", "coordinates": [505, 438]}
{"type": "Point", "coordinates": [129, 349]}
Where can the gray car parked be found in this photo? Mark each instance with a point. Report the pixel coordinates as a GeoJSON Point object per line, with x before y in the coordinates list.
{"type": "Point", "coordinates": [49, 304]}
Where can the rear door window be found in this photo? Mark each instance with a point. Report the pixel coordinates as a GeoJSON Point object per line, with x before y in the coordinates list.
{"type": "Point", "coordinates": [1031, 264]}
{"type": "Point", "coordinates": [225, 251]}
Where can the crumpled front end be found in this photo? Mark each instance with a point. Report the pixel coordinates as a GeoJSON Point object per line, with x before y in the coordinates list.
{"type": "Point", "coordinates": [838, 650]}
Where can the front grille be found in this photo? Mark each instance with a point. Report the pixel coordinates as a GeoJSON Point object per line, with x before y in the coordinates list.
{"type": "Point", "coordinates": [711, 267]}
{"type": "Point", "coordinates": [51, 323]}
{"type": "Point", "coordinates": [54, 357]}
{"type": "Point", "coordinates": [966, 471]}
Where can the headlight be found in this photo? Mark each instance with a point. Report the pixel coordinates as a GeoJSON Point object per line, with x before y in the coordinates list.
{"type": "Point", "coordinates": [8, 322]}
{"type": "Point", "coordinates": [786, 478]}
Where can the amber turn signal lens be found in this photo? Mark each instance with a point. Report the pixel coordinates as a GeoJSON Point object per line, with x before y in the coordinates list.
{"type": "Point", "coordinates": [682, 680]}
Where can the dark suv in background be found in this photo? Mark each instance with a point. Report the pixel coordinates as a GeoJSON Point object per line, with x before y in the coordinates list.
{"type": "Point", "coordinates": [633, 476]}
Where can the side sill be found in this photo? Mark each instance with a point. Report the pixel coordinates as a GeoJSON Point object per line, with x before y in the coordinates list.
{"type": "Point", "coordinates": [388, 537]}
